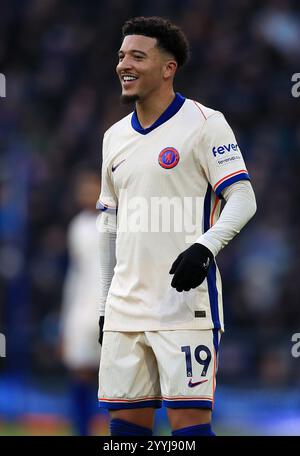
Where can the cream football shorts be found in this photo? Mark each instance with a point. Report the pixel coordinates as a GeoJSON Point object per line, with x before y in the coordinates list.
{"type": "Point", "coordinates": [145, 369]}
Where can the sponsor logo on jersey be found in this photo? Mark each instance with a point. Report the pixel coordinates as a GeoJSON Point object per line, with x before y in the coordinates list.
{"type": "Point", "coordinates": [113, 168]}
{"type": "Point", "coordinates": [192, 384]}
{"type": "Point", "coordinates": [224, 148]}
{"type": "Point", "coordinates": [225, 161]}
{"type": "Point", "coordinates": [168, 157]}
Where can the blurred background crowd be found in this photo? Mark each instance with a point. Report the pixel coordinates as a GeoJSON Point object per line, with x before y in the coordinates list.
{"type": "Point", "coordinates": [62, 93]}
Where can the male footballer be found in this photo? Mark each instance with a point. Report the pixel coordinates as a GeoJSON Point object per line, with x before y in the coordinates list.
{"type": "Point", "coordinates": [166, 168]}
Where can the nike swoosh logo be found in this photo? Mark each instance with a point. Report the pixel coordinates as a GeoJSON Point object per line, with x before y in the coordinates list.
{"type": "Point", "coordinates": [192, 384]}
{"type": "Point", "coordinates": [113, 168]}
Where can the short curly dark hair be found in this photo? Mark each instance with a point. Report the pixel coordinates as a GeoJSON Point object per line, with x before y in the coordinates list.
{"type": "Point", "coordinates": [169, 36]}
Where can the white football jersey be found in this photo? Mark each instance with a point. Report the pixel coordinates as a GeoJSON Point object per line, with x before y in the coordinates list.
{"type": "Point", "coordinates": [165, 183]}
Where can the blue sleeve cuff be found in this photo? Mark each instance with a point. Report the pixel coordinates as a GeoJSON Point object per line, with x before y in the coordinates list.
{"type": "Point", "coordinates": [105, 207]}
{"type": "Point", "coordinates": [228, 181]}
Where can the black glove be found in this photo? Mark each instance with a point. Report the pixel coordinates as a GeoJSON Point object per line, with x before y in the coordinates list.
{"type": "Point", "coordinates": [191, 267]}
{"type": "Point", "coordinates": [101, 323]}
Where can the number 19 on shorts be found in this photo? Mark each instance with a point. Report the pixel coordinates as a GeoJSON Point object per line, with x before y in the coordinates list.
{"type": "Point", "coordinates": [201, 354]}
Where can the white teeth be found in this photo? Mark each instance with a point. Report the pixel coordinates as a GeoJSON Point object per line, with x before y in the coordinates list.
{"type": "Point", "coordinates": [129, 78]}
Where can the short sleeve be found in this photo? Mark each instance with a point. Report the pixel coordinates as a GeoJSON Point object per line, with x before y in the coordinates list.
{"type": "Point", "coordinates": [107, 200]}
{"type": "Point", "coordinates": [220, 155]}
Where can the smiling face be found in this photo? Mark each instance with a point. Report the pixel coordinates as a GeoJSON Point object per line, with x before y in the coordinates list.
{"type": "Point", "coordinates": [143, 67]}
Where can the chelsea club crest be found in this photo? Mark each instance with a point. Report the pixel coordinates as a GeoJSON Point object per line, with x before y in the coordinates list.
{"type": "Point", "coordinates": [168, 157]}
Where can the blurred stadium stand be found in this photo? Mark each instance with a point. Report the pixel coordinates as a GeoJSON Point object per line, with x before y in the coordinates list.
{"type": "Point", "coordinates": [58, 58]}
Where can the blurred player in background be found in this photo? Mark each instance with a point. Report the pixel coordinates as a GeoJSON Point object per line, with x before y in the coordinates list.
{"type": "Point", "coordinates": [79, 330]}
{"type": "Point", "coordinates": [161, 297]}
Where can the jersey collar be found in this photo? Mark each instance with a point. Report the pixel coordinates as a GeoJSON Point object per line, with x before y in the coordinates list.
{"type": "Point", "coordinates": [171, 110]}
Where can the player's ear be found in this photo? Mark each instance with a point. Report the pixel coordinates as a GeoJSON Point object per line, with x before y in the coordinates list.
{"type": "Point", "coordinates": [170, 68]}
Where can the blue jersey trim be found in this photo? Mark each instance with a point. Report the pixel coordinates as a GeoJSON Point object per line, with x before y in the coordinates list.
{"type": "Point", "coordinates": [206, 208]}
{"type": "Point", "coordinates": [189, 404]}
{"type": "Point", "coordinates": [231, 180]}
{"type": "Point", "coordinates": [129, 405]}
{"type": "Point", "coordinates": [211, 276]}
{"type": "Point", "coordinates": [171, 110]}
{"type": "Point", "coordinates": [213, 295]}
{"type": "Point", "coordinates": [104, 207]}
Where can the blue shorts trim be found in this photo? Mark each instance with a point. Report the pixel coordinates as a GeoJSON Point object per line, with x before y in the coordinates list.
{"type": "Point", "coordinates": [188, 404]}
{"type": "Point", "coordinates": [129, 405]}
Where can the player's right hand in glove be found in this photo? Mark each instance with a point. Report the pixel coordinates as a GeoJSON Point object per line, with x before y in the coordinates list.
{"type": "Point", "coordinates": [101, 324]}
{"type": "Point", "coordinates": [191, 267]}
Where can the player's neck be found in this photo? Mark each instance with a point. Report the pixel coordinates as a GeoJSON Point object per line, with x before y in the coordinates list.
{"type": "Point", "coordinates": [150, 109]}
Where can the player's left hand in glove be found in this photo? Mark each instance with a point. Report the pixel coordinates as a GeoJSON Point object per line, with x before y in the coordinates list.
{"type": "Point", "coordinates": [101, 324]}
{"type": "Point", "coordinates": [191, 267]}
